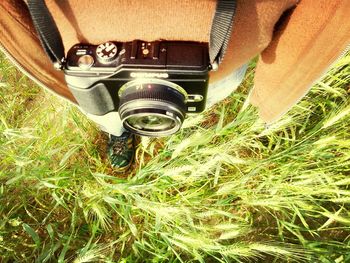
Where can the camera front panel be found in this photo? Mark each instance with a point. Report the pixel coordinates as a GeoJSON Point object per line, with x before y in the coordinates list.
{"type": "Point", "coordinates": [168, 79]}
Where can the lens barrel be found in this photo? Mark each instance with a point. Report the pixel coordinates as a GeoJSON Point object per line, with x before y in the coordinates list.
{"type": "Point", "coordinates": [152, 107]}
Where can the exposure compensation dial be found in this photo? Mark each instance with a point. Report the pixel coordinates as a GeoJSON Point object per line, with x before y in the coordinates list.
{"type": "Point", "coordinates": [106, 52]}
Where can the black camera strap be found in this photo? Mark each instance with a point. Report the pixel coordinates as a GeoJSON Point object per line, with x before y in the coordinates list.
{"type": "Point", "coordinates": [221, 29]}
{"type": "Point", "coordinates": [47, 30]}
{"type": "Point", "coordinates": [51, 40]}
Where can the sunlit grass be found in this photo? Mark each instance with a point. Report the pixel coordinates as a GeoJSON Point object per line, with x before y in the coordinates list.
{"type": "Point", "coordinates": [224, 189]}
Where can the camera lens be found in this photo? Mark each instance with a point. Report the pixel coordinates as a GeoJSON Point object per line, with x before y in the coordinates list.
{"type": "Point", "coordinates": [152, 107]}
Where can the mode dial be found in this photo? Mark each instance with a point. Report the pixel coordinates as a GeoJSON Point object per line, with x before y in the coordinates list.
{"type": "Point", "coordinates": [106, 52]}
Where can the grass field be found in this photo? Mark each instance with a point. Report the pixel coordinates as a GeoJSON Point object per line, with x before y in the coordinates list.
{"type": "Point", "coordinates": [224, 189]}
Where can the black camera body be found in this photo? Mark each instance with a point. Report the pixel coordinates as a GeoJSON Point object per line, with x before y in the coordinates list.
{"type": "Point", "coordinates": [151, 84]}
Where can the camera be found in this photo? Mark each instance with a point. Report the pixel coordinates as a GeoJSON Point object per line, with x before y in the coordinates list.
{"type": "Point", "coordinates": [152, 85]}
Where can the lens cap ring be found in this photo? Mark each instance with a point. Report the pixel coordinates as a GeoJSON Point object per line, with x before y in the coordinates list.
{"type": "Point", "coordinates": [152, 109]}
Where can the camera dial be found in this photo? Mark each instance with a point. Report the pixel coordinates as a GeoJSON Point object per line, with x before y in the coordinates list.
{"type": "Point", "coordinates": [106, 52]}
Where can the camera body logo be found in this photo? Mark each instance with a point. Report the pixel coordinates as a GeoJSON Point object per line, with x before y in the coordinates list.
{"type": "Point", "coordinates": [149, 75]}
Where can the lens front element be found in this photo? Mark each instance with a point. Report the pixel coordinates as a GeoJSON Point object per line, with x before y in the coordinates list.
{"type": "Point", "coordinates": [152, 107]}
{"type": "Point", "coordinates": [151, 122]}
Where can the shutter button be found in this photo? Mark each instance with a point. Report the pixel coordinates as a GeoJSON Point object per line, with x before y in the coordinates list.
{"type": "Point", "coordinates": [85, 62]}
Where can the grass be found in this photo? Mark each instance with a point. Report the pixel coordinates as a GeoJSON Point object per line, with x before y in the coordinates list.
{"type": "Point", "coordinates": [224, 189]}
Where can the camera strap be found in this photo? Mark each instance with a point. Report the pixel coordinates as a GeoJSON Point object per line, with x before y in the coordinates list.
{"type": "Point", "coordinates": [221, 28]}
{"type": "Point", "coordinates": [51, 40]}
{"type": "Point", "coordinates": [48, 33]}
